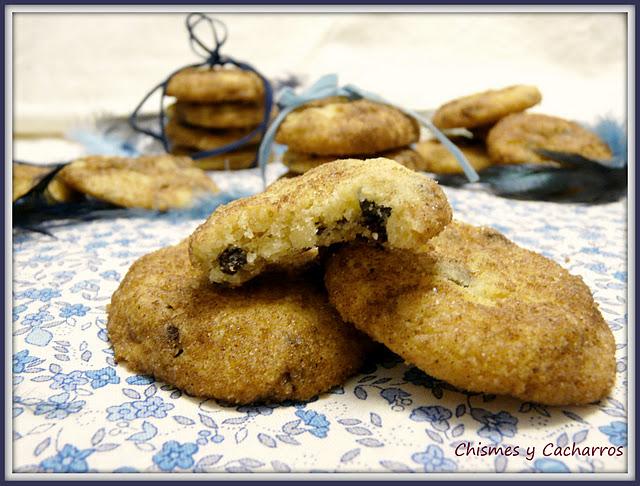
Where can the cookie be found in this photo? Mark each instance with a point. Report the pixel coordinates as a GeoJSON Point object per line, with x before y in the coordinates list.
{"type": "Point", "coordinates": [203, 139]}
{"type": "Point", "coordinates": [151, 181]}
{"type": "Point", "coordinates": [215, 85]}
{"type": "Point", "coordinates": [218, 116]}
{"type": "Point", "coordinates": [515, 139]}
{"type": "Point", "coordinates": [26, 177]}
{"type": "Point", "coordinates": [439, 160]}
{"type": "Point", "coordinates": [274, 339]}
{"type": "Point", "coordinates": [377, 200]}
{"type": "Point", "coordinates": [347, 128]}
{"type": "Point", "coordinates": [480, 313]}
{"type": "Point", "coordinates": [300, 163]}
{"type": "Point", "coordinates": [241, 158]}
{"type": "Point", "coordinates": [486, 107]}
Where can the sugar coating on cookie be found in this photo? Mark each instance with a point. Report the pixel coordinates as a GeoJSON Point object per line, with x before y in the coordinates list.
{"type": "Point", "coordinates": [218, 115]}
{"type": "Point", "coordinates": [274, 339]}
{"type": "Point", "coordinates": [214, 85]}
{"type": "Point", "coordinates": [347, 128]}
{"type": "Point", "coordinates": [515, 139]}
{"type": "Point", "coordinates": [300, 162]}
{"type": "Point", "coordinates": [204, 139]}
{"type": "Point", "coordinates": [241, 158]}
{"type": "Point", "coordinates": [378, 200]}
{"type": "Point", "coordinates": [151, 181]}
{"type": "Point", "coordinates": [480, 313]}
{"type": "Point", "coordinates": [26, 177]}
{"type": "Point", "coordinates": [485, 108]}
{"type": "Point", "coordinates": [439, 160]}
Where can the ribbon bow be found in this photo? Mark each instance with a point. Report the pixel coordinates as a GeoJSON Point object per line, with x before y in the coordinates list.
{"type": "Point", "coordinates": [328, 86]}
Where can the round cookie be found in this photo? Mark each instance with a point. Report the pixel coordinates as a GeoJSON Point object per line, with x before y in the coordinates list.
{"type": "Point", "coordinates": [26, 177]}
{"type": "Point", "coordinates": [300, 163]}
{"type": "Point", "coordinates": [242, 158]}
{"type": "Point", "coordinates": [214, 85]}
{"type": "Point", "coordinates": [203, 139]}
{"type": "Point", "coordinates": [347, 128]}
{"type": "Point", "coordinates": [220, 116]}
{"type": "Point", "coordinates": [515, 139]}
{"type": "Point", "coordinates": [151, 181]}
{"type": "Point", "coordinates": [480, 313]}
{"type": "Point", "coordinates": [274, 339]}
{"type": "Point", "coordinates": [378, 200]}
{"type": "Point", "coordinates": [439, 160]}
{"type": "Point", "coordinates": [486, 108]}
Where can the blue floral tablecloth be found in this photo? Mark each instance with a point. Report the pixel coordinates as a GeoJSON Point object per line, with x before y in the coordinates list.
{"type": "Point", "coordinates": [75, 410]}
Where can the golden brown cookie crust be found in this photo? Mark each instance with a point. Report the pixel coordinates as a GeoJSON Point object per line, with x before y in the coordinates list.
{"type": "Point", "coordinates": [242, 158]}
{"type": "Point", "coordinates": [272, 340]}
{"type": "Point", "coordinates": [300, 163]}
{"type": "Point", "coordinates": [202, 138]}
{"type": "Point", "coordinates": [480, 313]}
{"type": "Point", "coordinates": [347, 128]}
{"type": "Point", "coordinates": [439, 160]}
{"type": "Point", "coordinates": [151, 181]}
{"type": "Point", "coordinates": [220, 84]}
{"type": "Point", "coordinates": [219, 115]}
{"type": "Point", "coordinates": [26, 177]}
{"type": "Point", "coordinates": [515, 139]}
{"type": "Point", "coordinates": [378, 200]}
{"type": "Point", "coordinates": [486, 107]}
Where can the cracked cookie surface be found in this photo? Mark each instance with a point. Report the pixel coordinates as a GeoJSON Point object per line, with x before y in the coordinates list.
{"type": "Point", "coordinates": [215, 85]}
{"type": "Point", "coordinates": [480, 313]}
{"type": "Point", "coordinates": [377, 200]}
{"type": "Point", "coordinates": [275, 339]}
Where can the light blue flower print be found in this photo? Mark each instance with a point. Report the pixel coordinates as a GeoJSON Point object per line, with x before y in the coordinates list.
{"type": "Point", "coordinates": [17, 310]}
{"type": "Point", "coordinates": [43, 295]}
{"type": "Point", "coordinates": [150, 407]}
{"type": "Point", "coordinates": [317, 424]}
{"type": "Point", "coordinates": [69, 310]}
{"type": "Point", "coordinates": [34, 323]}
{"type": "Point", "coordinates": [617, 432]}
{"type": "Point", "coordinates": [547, 465]}
{"type": "Point", "coordinates": [496, 426]}
{"type": "Point", "coordinates": [102, 377]}
{"type": "Point", "coordinates": [59, 406]}
{"type": "Point", "coordinates": [88, 285]}
{"type": "Point", "coordinates": [433, 460]}
{"type": "Point", "coordinates": [253, 411]}
{"type": "Point", "coordinates": [69, 381]}
{"type": "Point", "coordinates": [175, 455]}
{"type": "Point", "coordinates": [111, 275]}
{"type": "Point", "coordinates": [21, 361]}
{"type": "Point", "coordinates": [69, 460]}
{"type": "Point", "coordinates": [438, 416]}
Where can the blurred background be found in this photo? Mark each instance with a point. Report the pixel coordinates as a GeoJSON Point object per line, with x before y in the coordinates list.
{"type": "Point", "coordinates": [69, 69]}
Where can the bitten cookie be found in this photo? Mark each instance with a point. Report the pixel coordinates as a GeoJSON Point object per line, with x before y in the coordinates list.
{"type": "Point", "coordinates": [274, 339]}
{"type": "Point", "coordinates": [515, 139]}
{"type": "Point", "coordinates": [238, 159]}
{"type": "Point", "coordinates": [203, 139]}
{"type": "Point", "coordinates": [377, 200]}
{"type": "Point", "coordinates": [220, 116]}
{"type": "Point", "coordinates": [347, 128]}
{"type": "Point", "coordinates": [486, 107]}
{"type": "Point", "coordinates": [300, 163]}
{"type": "Point", "coordinates": [214, 85]}
{"type": "Point", "coordinates": [439, 160]}
{"type": "Point", "coordinates": [151, 181]}
{"type": "Point", "coordinates": [480, 313]}
{"type": "Point", "coordinates": [26, 177]}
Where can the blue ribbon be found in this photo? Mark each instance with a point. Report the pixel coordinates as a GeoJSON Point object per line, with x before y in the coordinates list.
{"type": "Point", "coordinates": [212, 57]}
{"type": "Point", "coordinates": [327, 86]}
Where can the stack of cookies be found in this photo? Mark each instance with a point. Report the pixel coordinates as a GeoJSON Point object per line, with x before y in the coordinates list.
{"type": "Point", "coordinates": [279, 296]}
{"type": "Point", "coordinates": [215, 107]}
{"type": "Point", "coordinates": [499, 131]}
{"type": "Point", "coordinates": [337, 128]}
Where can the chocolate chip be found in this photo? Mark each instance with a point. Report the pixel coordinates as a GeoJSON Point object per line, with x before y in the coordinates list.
{"type": "Point", "coordinates": [320, 228]}
{"type": "Point", "coordinates": [374, 218]}
{"type": "Point", "coordinates": [232, 259]}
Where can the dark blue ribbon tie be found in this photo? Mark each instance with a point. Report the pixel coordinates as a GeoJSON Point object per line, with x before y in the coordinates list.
{"type": "Point", "coordinates": [211, 57]}
{"type": "Point", "coordinates": [327, 86]}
